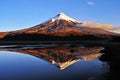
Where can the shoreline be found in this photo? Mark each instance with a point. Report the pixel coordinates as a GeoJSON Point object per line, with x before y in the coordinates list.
{"type": "Point", "coordinates": [56, 42]}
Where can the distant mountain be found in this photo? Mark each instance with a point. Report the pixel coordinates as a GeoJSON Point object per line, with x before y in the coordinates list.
{"type": "Point", "coordinates": [100, 26]}
{"type": "Point", "coordinates": [115, 30]}
{"type": "Point", "coordinates": [59, 28]}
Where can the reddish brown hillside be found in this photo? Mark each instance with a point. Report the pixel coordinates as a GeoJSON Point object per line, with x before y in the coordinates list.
{"type": "Point", "coordinates": [3, 34]}
{"type": "Point", "coordinates": [58, 28]}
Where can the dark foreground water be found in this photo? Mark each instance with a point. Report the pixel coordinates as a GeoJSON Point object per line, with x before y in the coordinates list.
{"type": "Point", "coordinates": [59, 62]}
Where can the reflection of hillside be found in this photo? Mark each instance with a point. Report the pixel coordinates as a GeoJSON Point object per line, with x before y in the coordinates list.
{"type": "Point", "coordinates": [61, 56]}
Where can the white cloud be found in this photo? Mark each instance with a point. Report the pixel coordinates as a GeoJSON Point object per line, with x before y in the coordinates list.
{"type": "Point", "coordinates": [91, 3]}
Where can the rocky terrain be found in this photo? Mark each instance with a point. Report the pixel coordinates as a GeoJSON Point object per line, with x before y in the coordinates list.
{"type": "Point", "coordinates": [59, 28]}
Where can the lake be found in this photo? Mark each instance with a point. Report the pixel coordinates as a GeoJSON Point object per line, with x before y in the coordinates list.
{"type": "Point", "coordinates": [59, 62]}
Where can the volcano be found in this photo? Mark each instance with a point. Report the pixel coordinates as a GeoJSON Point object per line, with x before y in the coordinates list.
{"type": "Point", "coordinates": [59, 28]}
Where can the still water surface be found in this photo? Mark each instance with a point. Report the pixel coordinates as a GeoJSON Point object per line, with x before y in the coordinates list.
{"type": "Point", "coordinates": [51, 63]}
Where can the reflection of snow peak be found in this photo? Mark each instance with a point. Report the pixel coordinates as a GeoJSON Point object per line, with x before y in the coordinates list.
{"type": "Point", "coordinates": [63, 17]}
{"type": "Point", "coordinates": [66, 64]}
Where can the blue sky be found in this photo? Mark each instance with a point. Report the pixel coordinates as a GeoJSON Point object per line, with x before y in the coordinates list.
{"type": "Point", "coordinates": [19, 14]}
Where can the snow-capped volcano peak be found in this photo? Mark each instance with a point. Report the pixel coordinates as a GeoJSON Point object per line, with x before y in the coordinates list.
{"type": "Point", "coordinates": [63, 17]}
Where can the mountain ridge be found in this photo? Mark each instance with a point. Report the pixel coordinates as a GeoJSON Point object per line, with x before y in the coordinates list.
{"type": "Point", "coordinates": [59, 27]}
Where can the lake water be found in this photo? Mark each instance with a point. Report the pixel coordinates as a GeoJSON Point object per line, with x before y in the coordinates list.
{"type": "Point", "coordinates": [52, 62]}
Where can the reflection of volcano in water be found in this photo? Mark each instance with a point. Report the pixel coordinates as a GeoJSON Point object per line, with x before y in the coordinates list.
{"type": "Point", "coordinates": [61, 56]}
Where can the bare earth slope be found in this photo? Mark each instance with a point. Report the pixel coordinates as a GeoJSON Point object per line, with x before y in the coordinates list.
{"type": "Point", "coordinates": [60, 27]}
